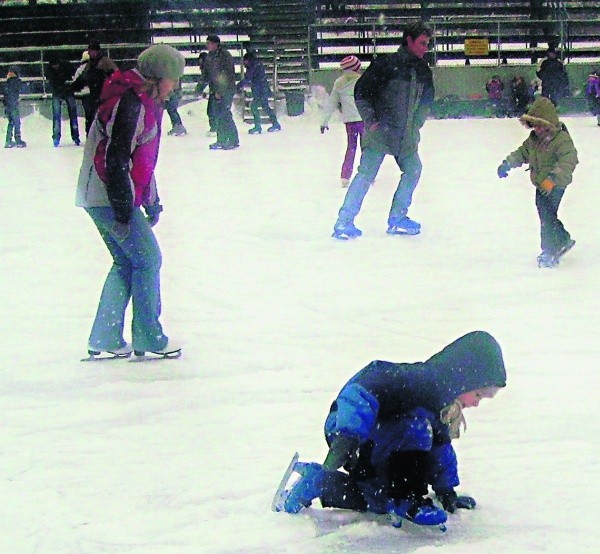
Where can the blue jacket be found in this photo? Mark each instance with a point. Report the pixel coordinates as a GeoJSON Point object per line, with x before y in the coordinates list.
{"type": "Point", "coordinates": [256, 79]}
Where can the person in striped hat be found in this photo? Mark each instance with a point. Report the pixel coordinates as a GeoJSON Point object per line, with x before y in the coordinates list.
{"type": "Point", "coordinates": [342, 97]}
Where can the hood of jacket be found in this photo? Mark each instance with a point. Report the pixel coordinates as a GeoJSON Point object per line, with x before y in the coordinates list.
{"type": "Point", "coordinates": [542, 112]}
{"type": "Point", "coordinates": [471, 362]}
{"type": "Point", "coordinates": [120, 82]}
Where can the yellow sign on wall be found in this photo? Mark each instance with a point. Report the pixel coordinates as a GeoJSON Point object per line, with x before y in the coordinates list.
{"type": "Point", "coordinates": [477, 47]}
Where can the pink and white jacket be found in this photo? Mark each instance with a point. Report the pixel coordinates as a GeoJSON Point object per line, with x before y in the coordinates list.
{"type": "Point", "coordinates": [121, 149]}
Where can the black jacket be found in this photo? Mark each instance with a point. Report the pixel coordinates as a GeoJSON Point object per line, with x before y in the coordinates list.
{"type": "Point", "coordinates": [393, 97]}
{"type": "Point", "coordinates": [12, 90]}
{"type": "Point", "coordinates": [59, 78]}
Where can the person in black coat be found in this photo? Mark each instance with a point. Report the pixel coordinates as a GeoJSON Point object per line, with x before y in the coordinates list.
{"type": "Point", "coordinates": [12, 91]}
{"type": "Point", "coordinates": [391, 428]}
{"type": "Point", "coordinates": [393, 97]}
{"type": "Point", "coordinates": [256, 79]}
{"type": "Point", "coordinates": [98, 68]}
{"type": "Point", "coordinates": [59, 74]}
{"type": "Point", "coordinates": [555, 81]}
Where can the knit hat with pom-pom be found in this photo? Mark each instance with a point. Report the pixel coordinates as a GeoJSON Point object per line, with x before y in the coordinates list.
{"type": "Point", "coordinates": [161, 61]}
{"type": "Point", "coordinates": [350, 63]}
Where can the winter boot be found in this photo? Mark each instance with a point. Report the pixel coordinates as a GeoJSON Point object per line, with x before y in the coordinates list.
{"type": "Point", "coordinates": [420, 511]}
{"type": "Point", "coordinates": [345, 231]}
{"type": "Point", "coordinates": [403, 226]}
{"type": "Point", "coordinates": [274, 128]}
{"type": "Point", "coordinates": [256, 130]}
{"type": "Point", "coordinates": [306, 489]}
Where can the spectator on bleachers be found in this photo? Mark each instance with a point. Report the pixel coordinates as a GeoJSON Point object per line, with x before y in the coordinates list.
{"type": "Point", "coordinates": [495, 90]}
{"type": "Point", "coordinates": [220, 74]}
{"type": "Point", "coordinates": [256, 79]}
{"type": "Point", "coordinates": [12, 91]}
{"type": "Point", "coordinates": [592, 93]}
{"type": "Point", "coordinates": [555, 81]}
{"type": "Point", "coordinates": [98, 68]}
{"type": "Point", "coordinates": [519, 95]}
{"type": "Point", "coordinates": [200, 87]}
{"type": "Point", "coordinates": [60, 74]}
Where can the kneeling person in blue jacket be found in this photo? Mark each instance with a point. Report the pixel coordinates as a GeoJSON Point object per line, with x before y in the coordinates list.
{"type": "Point", "coordinates": [391, 428]}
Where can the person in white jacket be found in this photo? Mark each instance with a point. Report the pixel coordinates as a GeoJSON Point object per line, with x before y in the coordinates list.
{"type": "Point", "coordinates": [342, 97]}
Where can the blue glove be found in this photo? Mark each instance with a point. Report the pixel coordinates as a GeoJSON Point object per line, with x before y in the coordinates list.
{"type": "Point", "coordinates": [452, 501]}
{"type": "Point", "coordinates": [153, 213]}
{"type": "Point", "coordinates": [503, 169]}
{"type": "Point", "coordinates": [120, 230]}
{"type": "Point", "coordinates": [324, 128]}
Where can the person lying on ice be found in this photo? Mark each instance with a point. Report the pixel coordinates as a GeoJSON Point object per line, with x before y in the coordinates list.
{"type": "Point", "coordinates": [391, 428]}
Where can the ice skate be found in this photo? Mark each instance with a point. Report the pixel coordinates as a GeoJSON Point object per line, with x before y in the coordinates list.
{"type": "Point", "coordinates": [301, 494]}
{"type": "Point", "coordinates": [564, 249]}
{"type": "Point", "coordinates": [170, 351]}
{"type": "Point", "coordinates": [547, 260]}
{"type": "Point", "coordinates": [345, 183]}
{"type": "Point", "coordinates": [178, 130]}
{"type": "Point", "coordinates": [256, 130]}
{"type": "Point", "coordinates": [274, 128]}
{"type": "Point", "coordinates": [95, 354]}
{"type": "Point", "coordinates": [403, 226]}
{"type": "Point", "coordinates": [346, 231]}
{"type": "Point", "coordinates": [419, 511]}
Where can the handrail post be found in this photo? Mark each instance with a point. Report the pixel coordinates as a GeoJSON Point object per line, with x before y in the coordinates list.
{"type": "Point", "coordinates": [498, 40]}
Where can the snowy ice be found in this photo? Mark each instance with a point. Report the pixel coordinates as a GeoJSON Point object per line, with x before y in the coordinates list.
{"type": "Point", "coordinates": [183, 456]}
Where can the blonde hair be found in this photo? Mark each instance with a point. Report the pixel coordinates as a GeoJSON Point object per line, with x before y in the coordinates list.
{"type": "Point", "coordinates": [452, 415]}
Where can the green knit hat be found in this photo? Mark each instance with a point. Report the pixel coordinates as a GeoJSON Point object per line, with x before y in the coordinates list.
{"type": "Point", "coordinates": [161, 61]}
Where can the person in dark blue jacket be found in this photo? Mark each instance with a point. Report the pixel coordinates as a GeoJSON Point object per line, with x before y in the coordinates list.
{"type": "Point", "coordinates": [12, 91]}
{"type": "Point", "coordinates": [256, 79]}
{"type": "Point", "coordinates": [391, 428]}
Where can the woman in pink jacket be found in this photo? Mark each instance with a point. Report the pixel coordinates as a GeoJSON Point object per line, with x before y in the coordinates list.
{"type": "Point", "coordinates": [116, 181]}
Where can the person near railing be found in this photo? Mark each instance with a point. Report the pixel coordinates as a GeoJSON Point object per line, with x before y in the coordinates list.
{"type": "Point", "coordinates": [393, 97]}
{"type": "Point", "coordinates": [210, 104]}
{"type": "Point", "coordinates": [60, 73]}
{"type": "Point", "coordinates": [98, 68]}
{"type": "Point", "coordinates": [555, 81]}
{"type": "Point", "coordinates": [11, 92]}
{"type": "Point", "coordinates": [592, 93]}
{"type": "Point", "coordinates": [172, 108]}
{"type": "Point", "coordinates": [256, 78]}
{"type": "Point", "coordinates": [342, 97]}
{"type": "Point", "coordinates": [220, 73]}
{"type": "Point", "coordinates": [519, 96]}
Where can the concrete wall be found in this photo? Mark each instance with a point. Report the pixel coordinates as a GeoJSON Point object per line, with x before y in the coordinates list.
{"type": "Point", "coordinates": [467, 81]}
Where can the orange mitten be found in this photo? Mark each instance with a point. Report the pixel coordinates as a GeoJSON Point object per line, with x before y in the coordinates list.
{"type": "Point", "coordinates": [546, 186]}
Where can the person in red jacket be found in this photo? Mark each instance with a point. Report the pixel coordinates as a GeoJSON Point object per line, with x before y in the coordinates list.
{"type": "Point", "coordinates": [116, 180]}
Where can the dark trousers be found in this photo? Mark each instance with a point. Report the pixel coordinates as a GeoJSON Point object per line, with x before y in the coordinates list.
{"type": "Point", "coordinates": [57, 116]}
{"type": "Point", "coordinates": [90, 107]}
{"type": "Point", "coordinates": [227, 132]}
{"type": "Point", "coordinates": [171, 106]}
{"type": "Point", "coordinates": [552, 232]}
{"type": "Point", "coordinates": [14, 123]}
{"type": "Point", "coordinates": [262, 102]}
{"type": "Point", "coordinates": [403, 476]}
{"type": "Point", "coordinates": [210, 113]}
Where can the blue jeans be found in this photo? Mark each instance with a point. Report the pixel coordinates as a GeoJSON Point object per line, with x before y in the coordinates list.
{"type": "Point", "coordinates": [135, 275]}
{"type": "Point", "coordinates": [14, 124]}
{"type": "Point", "coordinates": [226, 129]}
{"type": "Point", "coordinates": [171, 106]}
{"type": "Point", "coordinates": [262, 102]}
{"type": "Point", "coordinates": [57, 116]}
{"type": "Point", "coordinates": [370, 162]}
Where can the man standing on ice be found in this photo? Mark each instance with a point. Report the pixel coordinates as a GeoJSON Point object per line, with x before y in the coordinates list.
{"type": "Point", "coordinates": [393, 98]}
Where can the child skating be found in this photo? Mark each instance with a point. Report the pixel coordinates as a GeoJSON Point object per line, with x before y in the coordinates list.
{"type": "Point", "coordinates": [551, 155]}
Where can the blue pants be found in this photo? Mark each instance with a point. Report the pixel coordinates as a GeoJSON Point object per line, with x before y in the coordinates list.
{"type": "Point", "coordinates": [57, 116]}
{"type": "Point", "coordinates": [135, 275]}
{"type": "Point", "coordinates": [552, 232]}
{"type": "Point", "coordinates": [14, 124]}
{"type": "Point", "coordinates": [171, 106]}
{"type": "Point", "coordinates": [226, 130]}
{"type": "Point", "coordinates": [370, 162]}
{"type": "Point", "coordinates": [262, 102]}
